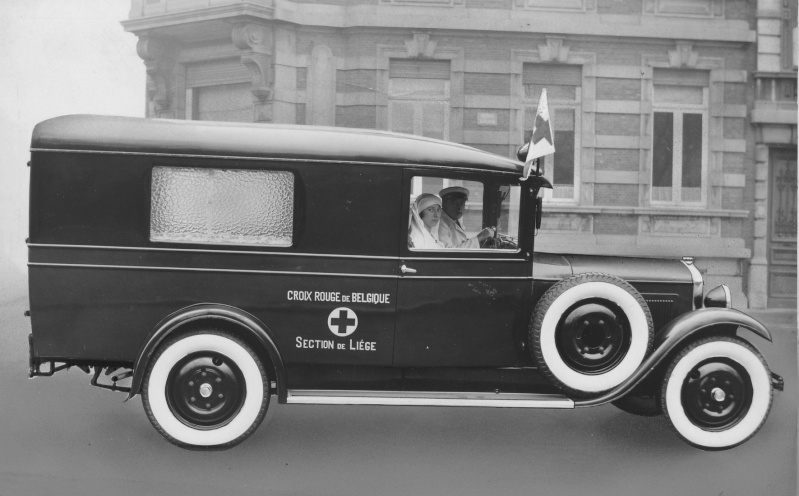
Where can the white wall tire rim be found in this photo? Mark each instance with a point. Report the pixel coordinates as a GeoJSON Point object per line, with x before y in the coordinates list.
{"type": "Point", "coordinates": [754, 417]}
{"type": "Point", "coordinates": [639, 339]}
{"type": "Point", "coordinates": [239, 424]}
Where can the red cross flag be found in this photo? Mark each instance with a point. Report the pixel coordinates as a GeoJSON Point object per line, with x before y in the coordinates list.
{"type": "Point", "coordinates": [543, 140]}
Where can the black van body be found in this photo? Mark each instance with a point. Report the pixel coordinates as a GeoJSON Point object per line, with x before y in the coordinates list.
{"type": "Point", "coordinates": [451, 327]}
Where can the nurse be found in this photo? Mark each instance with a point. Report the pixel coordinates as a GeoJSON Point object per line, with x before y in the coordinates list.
{"type": "Point", "coordinates": [424, 223]}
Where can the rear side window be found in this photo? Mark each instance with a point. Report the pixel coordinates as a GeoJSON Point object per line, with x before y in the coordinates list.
{"type": "Point", "coordinates": [222, 206]}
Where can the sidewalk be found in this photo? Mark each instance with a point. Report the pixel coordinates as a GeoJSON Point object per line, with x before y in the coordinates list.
{"type": "Point", "coordinates": [776, 320]}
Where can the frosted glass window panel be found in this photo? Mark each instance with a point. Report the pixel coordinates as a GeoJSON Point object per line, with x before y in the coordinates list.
{"type": "Point", "coordinates": [222, 206]}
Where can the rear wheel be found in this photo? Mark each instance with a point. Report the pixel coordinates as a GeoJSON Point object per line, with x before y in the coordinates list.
{"type": "Point", "coordinates": [205, 389]}
{"type": "Point", "coordinates": [717, 392]}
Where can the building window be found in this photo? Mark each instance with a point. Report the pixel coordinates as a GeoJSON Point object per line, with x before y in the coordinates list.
{"type": "Point", "coordinates": [563, 84]}
{"type": "Point", "coordinates": [679, 137]}
{"type": "Point", "coordinates": [418, 97]}
{"type": "Point", "coordinates": [222, 206]}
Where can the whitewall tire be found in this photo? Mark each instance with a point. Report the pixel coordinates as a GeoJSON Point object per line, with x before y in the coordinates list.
{"type": "Point", "coordinates": [590, 332]}
{"type": "Point", "coordinates": [206, 389]}
{"type": "Point", "coordinates": [717, 392]}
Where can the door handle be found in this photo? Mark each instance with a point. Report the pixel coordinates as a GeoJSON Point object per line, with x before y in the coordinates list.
{"type": "Point", "coordinates": [407, 270]}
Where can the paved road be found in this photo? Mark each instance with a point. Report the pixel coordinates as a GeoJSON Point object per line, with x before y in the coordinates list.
{"type": "Point", "coordinates": [61, 436]}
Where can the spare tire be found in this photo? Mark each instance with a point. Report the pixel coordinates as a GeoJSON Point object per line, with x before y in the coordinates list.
{"type": "Point", "coordinates": [590, 332]}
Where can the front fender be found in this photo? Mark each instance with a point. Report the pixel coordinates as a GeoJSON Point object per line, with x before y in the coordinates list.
{"type": "Point", "coordinates": [670, 337]}
{"type": "Point", "coordinates": [208, 311]}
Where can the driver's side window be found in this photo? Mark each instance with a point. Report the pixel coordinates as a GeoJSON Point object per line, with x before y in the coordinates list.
{"type": "Point", "coordinates": [458, 214]}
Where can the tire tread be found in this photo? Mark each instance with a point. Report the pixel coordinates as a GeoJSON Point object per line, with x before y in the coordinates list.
{"type": "Point", "coordinates": [690, 347]}
{"type": "Point", "coordinates": [169, 342]}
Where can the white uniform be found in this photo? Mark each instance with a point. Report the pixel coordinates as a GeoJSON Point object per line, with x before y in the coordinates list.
{"type": "Point", "coordinates": [451, 234]}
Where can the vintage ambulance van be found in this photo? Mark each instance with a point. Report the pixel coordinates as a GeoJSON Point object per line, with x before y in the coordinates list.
{"type": "Point", "coordinates": [211, 266]}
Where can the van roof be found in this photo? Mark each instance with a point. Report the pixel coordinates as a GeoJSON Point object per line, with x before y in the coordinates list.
{"type": "Point", "coordinates": [95, 133]}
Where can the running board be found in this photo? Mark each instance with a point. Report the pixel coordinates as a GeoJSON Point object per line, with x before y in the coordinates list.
{"type": "Point", "coordinates": [427, 398]}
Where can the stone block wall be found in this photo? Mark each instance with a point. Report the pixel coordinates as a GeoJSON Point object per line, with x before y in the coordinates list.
{"type": "Point", "coordinates": [328, 63]}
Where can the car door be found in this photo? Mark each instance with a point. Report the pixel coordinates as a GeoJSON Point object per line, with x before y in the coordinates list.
{"type": "Point", "coordinates": [464, 307]}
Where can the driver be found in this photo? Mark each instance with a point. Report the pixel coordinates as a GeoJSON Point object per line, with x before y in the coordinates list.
{"type": "Point", "coordinates": [450, 229]}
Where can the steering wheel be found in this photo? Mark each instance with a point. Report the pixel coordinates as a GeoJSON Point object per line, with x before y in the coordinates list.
{"type": "Point", "coordinates": [505, 242]}
{"type": "Point", "coordinates": [500, 242]}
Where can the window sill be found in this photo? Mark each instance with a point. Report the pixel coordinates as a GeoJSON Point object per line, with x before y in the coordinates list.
{"type": "Point", "coordinates": [676, 211]}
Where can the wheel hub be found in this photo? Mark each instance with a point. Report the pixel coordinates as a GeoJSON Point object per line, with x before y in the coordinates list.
{"type": "Point", "coordinates": [593, 337]}
{"type": "Point", "coordinates": [717, 394]}
{"type": "Point", "coordinates": [205, 390]}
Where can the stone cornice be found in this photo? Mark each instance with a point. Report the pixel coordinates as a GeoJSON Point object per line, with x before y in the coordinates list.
{"type": "Point", "coordinates": [471, 19]}
{"type": "Point", "coordinates": [138, 24]}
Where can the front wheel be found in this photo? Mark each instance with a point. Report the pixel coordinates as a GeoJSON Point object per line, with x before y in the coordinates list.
{"type": "Point", "coordinates": [206, 389]}
{"type": "Point", "coordinates": [717, 392]}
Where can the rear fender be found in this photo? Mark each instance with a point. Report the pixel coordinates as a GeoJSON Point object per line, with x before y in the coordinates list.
{"type": "Point", "coordinates": [684, 328]}
{"type": "Point", "coordinates": [247, 323]}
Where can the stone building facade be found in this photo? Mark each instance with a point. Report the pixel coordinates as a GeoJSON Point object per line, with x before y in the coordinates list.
{"type": "Point", "coordinates": [666, 143]}
{"type": "Point", "coordinates": [772, 273]}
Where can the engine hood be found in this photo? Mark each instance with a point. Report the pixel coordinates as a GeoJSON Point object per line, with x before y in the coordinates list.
{"type": "Point", "coordinates": [557, 266]}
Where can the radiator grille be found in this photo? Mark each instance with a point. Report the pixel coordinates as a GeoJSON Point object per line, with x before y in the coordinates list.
{"type": "Point", "coordinates": [662, 309]}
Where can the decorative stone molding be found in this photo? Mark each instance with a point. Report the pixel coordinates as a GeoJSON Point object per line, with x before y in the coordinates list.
{"type": "Point", "coordinates": [159, 55]}
{"type": "Point", "coordinates": [568, 223]}
{"type": "Point", "coordinates": [683, 56]}
{"type": "Point", "coordinates": [256, 45]}
{"type": "Point", "coordinates": [553, 51]}
{"type": "Point", "coordinates": [420, 46]}
{"type": "Point", "coordinates": [555, 5]}
{"type": "Point", "coordinates": [424, 3]}
{"type": "Point", "coordinates": [685, 8]}
{"type": "Point", "coordinates": [681, 226]}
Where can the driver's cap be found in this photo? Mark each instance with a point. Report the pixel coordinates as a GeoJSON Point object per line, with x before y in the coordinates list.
{"type": "Point", "coordinates": [458, 192]}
